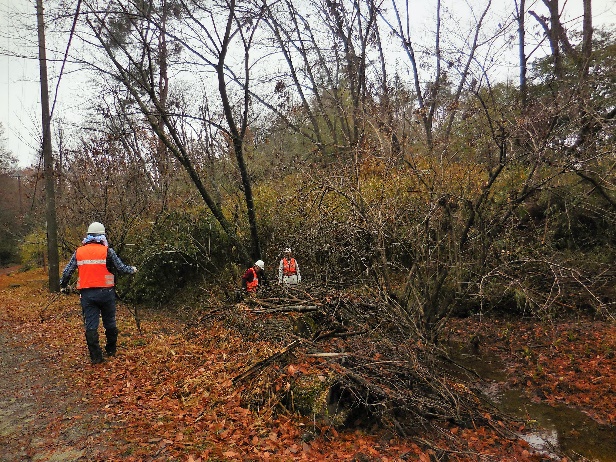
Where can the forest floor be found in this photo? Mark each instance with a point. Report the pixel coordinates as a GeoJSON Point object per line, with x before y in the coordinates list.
{"type": "Point", "coordinates": [169, 395]}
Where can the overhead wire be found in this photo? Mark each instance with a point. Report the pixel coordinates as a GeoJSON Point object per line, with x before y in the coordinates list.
{"type": "Point", "coordinates": [68, 45]}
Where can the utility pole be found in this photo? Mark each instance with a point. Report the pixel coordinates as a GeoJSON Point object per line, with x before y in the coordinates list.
{"type": "Point", "coordinates": [52, 227]}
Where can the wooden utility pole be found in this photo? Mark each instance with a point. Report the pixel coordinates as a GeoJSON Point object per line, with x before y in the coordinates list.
{"type": "Point", "coordinates": [52, 228]}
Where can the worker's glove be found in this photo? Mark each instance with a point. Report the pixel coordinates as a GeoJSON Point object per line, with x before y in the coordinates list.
{"type": "Point", "coordinates": [134, 268]}
{"type": "Point", "coordinates": [299, 279]}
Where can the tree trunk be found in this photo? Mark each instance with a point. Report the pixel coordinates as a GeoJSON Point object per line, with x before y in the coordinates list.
{"type": "Point", "coordinates": [522, 54]}
{"type": "Point", "coordinates": [586, 39]}
{"type": "Point", "coordinates": [238, 133]}
{"type": "Point", "coordinates": [163, 92]}
{"type": "Point", "coordinates": [554, 36]}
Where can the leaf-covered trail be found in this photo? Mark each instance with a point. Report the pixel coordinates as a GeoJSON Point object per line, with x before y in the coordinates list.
{"type": "Point", "coordinates": [169, 396]}
{"type": "Point", "coordinates": [40, 415]}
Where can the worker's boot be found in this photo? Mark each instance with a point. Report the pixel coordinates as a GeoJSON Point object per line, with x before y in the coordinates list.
{"type": "Point", "coordinates": [112, 341]}
{"type": "Point", "coordinates": [96, 354]}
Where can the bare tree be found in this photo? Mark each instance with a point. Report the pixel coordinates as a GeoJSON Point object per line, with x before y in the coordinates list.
{"type": "Point", "coordinates": [137, 52]}
{"type": "Point", "coordinates": [574, 84]}
{"type": "Point", "coordinates": [433, 95]}
{"type": "Point", "coordinates": [328, 61]}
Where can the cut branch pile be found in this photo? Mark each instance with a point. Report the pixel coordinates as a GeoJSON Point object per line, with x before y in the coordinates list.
{"type": "Point", "coordinates": [376, 368]}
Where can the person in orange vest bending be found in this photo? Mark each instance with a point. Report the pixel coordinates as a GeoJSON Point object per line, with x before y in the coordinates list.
{"type": "Point", "coordinates": [250, 279]}
{"type": "Point", "coordinates": [288, 270]}
{"type": "Point", "coordinates": [94, 261]}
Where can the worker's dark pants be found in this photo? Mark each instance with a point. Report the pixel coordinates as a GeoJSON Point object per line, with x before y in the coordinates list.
{"type": "Point", "coordinates": [98, 303]}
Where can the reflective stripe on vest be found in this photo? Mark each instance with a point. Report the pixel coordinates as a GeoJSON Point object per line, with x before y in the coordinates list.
{"type": "Point", "coordinates": [92, 266]}
{"type": "Point", "coordinates": [289, 267]}
{"type": "Point", "coordinates": [251, 286]}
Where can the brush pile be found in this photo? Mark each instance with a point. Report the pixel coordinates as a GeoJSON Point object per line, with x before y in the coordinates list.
{"type": "Point", "coordinates": [351, 360]}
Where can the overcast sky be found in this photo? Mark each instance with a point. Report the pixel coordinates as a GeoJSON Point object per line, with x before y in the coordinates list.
{"type": "Point", "coordinates": [19, 72]}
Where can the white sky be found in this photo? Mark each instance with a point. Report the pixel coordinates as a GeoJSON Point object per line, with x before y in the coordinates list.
{"type": "Point", "coordinates": [19, 99]}
{"type": "Point", "coordinates": [19, 75]}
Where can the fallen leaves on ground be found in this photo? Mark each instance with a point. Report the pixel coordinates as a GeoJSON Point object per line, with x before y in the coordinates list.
{"type": "Point", "coordinates": [169, 394]}
{"type": "Point", "coordinates": [569, 361]}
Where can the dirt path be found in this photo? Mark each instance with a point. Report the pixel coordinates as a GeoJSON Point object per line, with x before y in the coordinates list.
{"type": "Point", "coordinates": [41, 417]}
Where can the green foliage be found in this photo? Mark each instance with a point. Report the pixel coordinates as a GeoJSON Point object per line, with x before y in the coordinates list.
{"type": "Point", "coordinates": [15, 186]}
{"type": "Point", "coordinates": [578, 221]}
{"type": "Point", "coordinates": [183, 247]}
{"type": "Point", "coordinates": [33, 250]}
{"type": "Point", "coordinates": [9, 250]}
{"type": "Point", "coordinates": [9, 237]}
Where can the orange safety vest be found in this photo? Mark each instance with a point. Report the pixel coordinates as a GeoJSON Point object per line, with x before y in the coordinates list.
{"type": "Point", "coordinates": [92, 267]}
{"type": "Point", "coordinates": [251, 286]}
{"type": "Point", "coordinates": [289, 267]}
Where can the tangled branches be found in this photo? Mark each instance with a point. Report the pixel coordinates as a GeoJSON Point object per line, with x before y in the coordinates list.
{"type": "Point", "coordinates": [371, 368]}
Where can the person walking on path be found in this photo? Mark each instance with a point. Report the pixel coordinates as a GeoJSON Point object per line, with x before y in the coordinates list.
{"type": "Point", "coordinates": [288, 270]}
{"type": "Point", "coordinates": [250, 279]}
{"type": "Point", "coordinates": [94, 261]}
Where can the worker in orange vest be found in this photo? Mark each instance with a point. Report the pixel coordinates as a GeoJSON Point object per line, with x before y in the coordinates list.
{"type": "Point", "coordinates": [94, 261]}
{"type": "Point", "coordinates": [250, 279]}
{"type": "Point", "coordinates": [288, 270]}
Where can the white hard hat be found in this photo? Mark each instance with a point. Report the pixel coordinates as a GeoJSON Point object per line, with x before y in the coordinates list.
{"type": "Point", "coordinates": [260, 264]}
{"type": "Point", "coordinates": [96, 228]}
{"type": "Point", "coordinates": [287, 250]}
